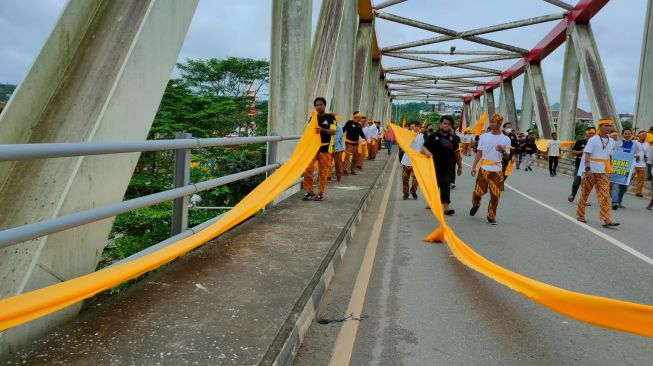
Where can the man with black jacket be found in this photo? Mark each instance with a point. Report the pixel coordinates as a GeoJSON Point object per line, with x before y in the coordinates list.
{"type": "Point", "coordinates": [530, 149]}
{"type": "Point", "coordinates": [577, 151]}
{"type": "Point", "coordinates": [353, 131]}
{"type": "Point", "coordinates": [444, 147]}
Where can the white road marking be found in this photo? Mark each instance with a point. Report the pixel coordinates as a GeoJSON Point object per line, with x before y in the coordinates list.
{"type": "Point", "coordinates": [598, 233]}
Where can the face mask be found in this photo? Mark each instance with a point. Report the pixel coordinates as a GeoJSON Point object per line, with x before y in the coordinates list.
{"type": "Point", "coordinates": [508, 130]}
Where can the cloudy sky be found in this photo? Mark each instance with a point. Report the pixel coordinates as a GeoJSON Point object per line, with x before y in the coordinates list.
{"type": "Point", "coordinates": [242, 28]}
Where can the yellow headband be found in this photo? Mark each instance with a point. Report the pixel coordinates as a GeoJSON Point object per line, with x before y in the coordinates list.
{"type": "Point", "coordinates": [606, 122]}
{"type": "Point", "coordinates": [592, 130]}
{"type": "Point", "coordinates": [357, 114]}
{"type": "Point", "coordinates": [641, 133]}
{"type": "Point", "coordinates": [614, 133]}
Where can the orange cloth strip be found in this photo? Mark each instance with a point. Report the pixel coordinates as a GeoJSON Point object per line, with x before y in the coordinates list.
{"type": "Point", "coordinates": [606, 162]}
{"type": "Point", "coordinates": [478, 128]}
{"type": "Point", "coordinates": [34, 304]}
{"type": "Point", "coordinates": [604, 312]}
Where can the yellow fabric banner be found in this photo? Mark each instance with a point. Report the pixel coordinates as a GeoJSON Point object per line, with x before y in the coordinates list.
{"type": "Point", "coordinates": [34, 304]}
{"type": "Point", "coordinates": [403, 122]}
{"type": "Point", "coordinates": [478, 128]}
{"type": "Point", "coordinates": [541, 144]}
{"type": "Point", "coordinates": [605, 312]}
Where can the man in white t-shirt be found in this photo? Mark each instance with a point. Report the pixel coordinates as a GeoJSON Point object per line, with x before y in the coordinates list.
{"type": "Point", "coordinates": [595, 170]}
{"type": "Point", "coordinates": [492, 148]}
{"type": "Point", "coordinates": [640, 166]}
{"type": "Point", "coordinates": [467, 142]}
{"type": "Point", "coordinates": [406, 166]}
{"type": "Point", "coordinates": [553, 152]}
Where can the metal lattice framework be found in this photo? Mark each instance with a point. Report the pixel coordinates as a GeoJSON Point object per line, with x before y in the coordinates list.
{"type": "Point", "coordinates": [420, 79]}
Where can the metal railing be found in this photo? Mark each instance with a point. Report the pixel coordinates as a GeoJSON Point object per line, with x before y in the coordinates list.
{"type": "Point", "coordinates": [179, 194]}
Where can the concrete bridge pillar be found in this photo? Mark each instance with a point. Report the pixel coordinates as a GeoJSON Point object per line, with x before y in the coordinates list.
{"type": "Point", "coordinates": [362, 62]}
{"type": "Point", "coordinates": [510, 110]}
{"type": "Point", "coordinates": [489, 103]}
{"type": "Point", "coordinates": [526, 119]}
{"type": "Point", "coordinates": [543, 117]}
{"type": "Point", "coordinates": [643, 106]}
{"type": "Point", "coordinates": [289, 70]}
{"type": "Point", "coordinates": [100, 76]}
{"type": "Point", "coordinates": [569, 93]}
{"type": "Point", "coordinates": [594, 79]}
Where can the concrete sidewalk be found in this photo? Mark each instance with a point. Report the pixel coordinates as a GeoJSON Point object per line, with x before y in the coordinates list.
{"type": "Point", "coordinates": [247, 297]}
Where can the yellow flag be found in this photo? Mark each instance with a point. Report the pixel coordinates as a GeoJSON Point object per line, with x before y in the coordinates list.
{"type": "Point", "coordinates": [403, 122]}
{"type": "Point", "coordinates": [425, 121]}
{"type": "Point", "coordinates": [478, 128]}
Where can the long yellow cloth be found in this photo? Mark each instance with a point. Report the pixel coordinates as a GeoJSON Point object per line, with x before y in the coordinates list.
{"type": "Point", "coordinates": [605, 312]}
{"type": "Point", "coordinates": [31, 305]}
{"type": "Point", "coordinates": [541, 144]}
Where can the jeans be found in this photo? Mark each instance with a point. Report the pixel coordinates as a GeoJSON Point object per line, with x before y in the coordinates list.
{"type": "Point", "coordinates": [520, 156]}
{"type": "Point", "coordinates": [618, 192]}
{"type": "Point", "coordinates": [553, 164]}
{"type": "Point", "coordinates": [389, 145]}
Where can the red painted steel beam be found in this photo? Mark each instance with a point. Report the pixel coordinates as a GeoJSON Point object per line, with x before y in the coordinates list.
{"type": "Point", "coordinates": [582, 13]}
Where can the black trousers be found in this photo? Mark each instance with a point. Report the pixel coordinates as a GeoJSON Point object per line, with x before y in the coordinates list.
{"type": "Point", "coordinates": [553, 164]}
{"type": "Point", "coordinates": [576, 184]}
{"type": "Point", "coordinates": [444, 183]}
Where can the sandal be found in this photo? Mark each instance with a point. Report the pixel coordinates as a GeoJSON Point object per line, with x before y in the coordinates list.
{"type": "Point", "coordinates": [581, 219]}
{"type": "Point", "coordinates": [318, 198]}
{"type": "Point", "coordinates": [308, 196]}
{"type": "Point", "coordinates": [610, 224]}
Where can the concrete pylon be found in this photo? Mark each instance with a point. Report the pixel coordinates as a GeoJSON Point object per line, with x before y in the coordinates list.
{"type": "Point", "coordinates": [476, 109]}
{"type": "Point", "coordinates": [489, 103]}
{"type": "Point", "coordinates": [543, 117]}
{"type": "Point", "coordinates": [362, 61]}
{"type": "Point", "coordinates": [569, 93]}
{"type": "Point", "coordinates": [367, 105]}
{"type": "Point", "coordinates": [100, 76]}
{"type": "Point", "coordinates": [526, 118]}
{"type": "Point", "coordinates": [289, 70]}
{"type": "Point", "coordinates": [643, 106]}
{"type": "Point", "coordinates": [501, 109]}
{"type": "Point", "coordinates": [594, 79]}
{"type": "Point", "coordinates": [510, 109]}
{"type": "Point", "coordinates": [323, 56]}
{"type": "Point", "coordinates": [342, 88]}
{"type": "Point", "coordinates": [467, 113]}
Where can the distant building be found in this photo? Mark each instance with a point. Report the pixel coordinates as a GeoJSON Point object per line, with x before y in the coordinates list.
{"type": "Point", "coordinates": [582, 116]}
{"type": "Point", "coordinates": [626, 117]}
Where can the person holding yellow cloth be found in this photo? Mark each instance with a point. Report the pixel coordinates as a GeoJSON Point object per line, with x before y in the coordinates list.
{"type": "Point", "coordinates": [595, 172]}
{"type": "Point", "coordinates": [326, 123]}
{"type": "Point", "coordinates": [353, 132]}
{"type": "Point", "coordinates": [493, 148]}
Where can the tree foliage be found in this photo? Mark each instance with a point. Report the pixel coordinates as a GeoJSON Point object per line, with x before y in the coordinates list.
{"type": "Point", "coordinates": [209, 99]}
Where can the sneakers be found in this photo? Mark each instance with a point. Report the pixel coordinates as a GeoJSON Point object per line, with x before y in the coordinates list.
{"type": "Point", "coordinates": [414, 195]}
{"type": "Point", "coordinates": [571, 198]}
{"type": "Point", "coordinates": [318, 198]}
{"type": "Point", "coordinates": [308, 196]}
{"type": "Point", "coordinates": [353, 173]}
{"type": "Point", "coordinates": [639, 195]}
{"type": "Point", "coordinates": [453, 185]}
{"type": "Point", "coordinates": [615, 207]}
{"type": "Point", "coordinates": [473, 211]}
{"type": "Point", "coordinates": [405, 197]}
{"type": "Point", "coordinates": [492, 221]}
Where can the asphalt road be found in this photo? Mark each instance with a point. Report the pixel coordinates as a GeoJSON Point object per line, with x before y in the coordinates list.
{"type": "Point", "coordinates": [424, 307]}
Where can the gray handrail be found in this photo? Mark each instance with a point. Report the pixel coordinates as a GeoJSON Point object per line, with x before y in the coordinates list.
{"type": "Point", "coordinates": [31, 231]}
{"type": "Point", "coordinates": [14, 152]}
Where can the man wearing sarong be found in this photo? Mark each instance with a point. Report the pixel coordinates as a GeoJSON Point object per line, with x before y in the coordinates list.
{"type": "Point", "coordinates": [595, 165]}
{"type": "Point", "coordinates": [326, 127]}
{"type": "Point", "coordinates": [493, 148]}
{"type": "Point", "coordinates": [363, 151]}
{"type": "Point", "coordinates": [444, 147]}
{"type": "Point", "coordinates": [352, 132]}
{"type": "Point", "coordinates": [406, 166]}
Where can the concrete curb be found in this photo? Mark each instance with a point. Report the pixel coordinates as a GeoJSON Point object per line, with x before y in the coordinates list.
{"type": "Point", "coordinates": [286, 344]}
